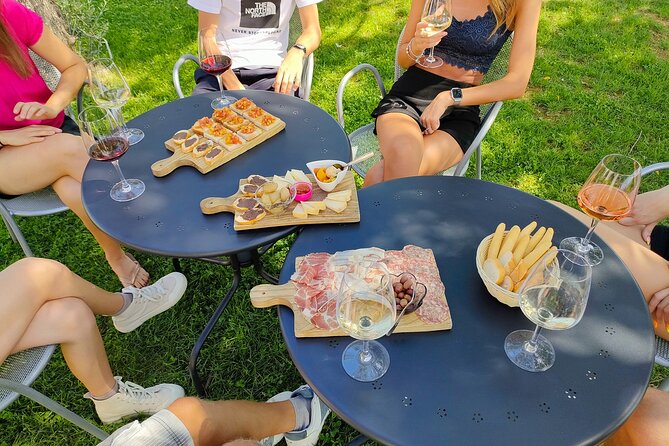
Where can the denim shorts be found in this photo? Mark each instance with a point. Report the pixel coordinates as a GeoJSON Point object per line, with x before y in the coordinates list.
{"type": "Point", "coordinates": [162, 429]}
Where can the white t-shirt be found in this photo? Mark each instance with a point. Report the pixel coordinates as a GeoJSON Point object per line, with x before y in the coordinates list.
{"type": "Point", "coordinates": [256, 32]}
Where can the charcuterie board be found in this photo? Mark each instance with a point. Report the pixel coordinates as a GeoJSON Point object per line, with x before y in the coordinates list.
{"type": "Point", "coordinates": [351, 214]}
{"type": "Point", "coordinates": [265, 295]}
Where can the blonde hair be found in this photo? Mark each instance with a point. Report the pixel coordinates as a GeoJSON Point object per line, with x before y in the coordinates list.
{"type": "Point", "coordinates": [505, 13]}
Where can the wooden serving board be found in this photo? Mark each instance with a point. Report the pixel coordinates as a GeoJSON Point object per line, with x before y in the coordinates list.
{"type": "Point", "coordinates": [351, 214]}
{"type": "Point", "coordinates": [265, 295]}
{"type": "Point", "coordinates": [181, 158]}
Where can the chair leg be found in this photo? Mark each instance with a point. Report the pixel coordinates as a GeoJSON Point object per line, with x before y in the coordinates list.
{"type": "Point", "coordinates": [358, 441]}
{"type": "Point", "coordinates": [478, 162]}
{"type": "Point", "coordinates": [54, 407]}
{"type": "Point", "coordinates": [15, 231]}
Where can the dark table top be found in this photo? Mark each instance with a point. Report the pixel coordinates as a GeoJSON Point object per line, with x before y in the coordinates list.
{"type": "Point", "coordinates": [458, 387]}
{"type": "Point", "coordinates": [166, 219]}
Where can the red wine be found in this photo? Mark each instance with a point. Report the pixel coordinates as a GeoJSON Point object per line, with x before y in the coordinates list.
{"type": "Point", "coordinates": [217, 64]}
{"type": "Point", "coordinates": [108, 149]}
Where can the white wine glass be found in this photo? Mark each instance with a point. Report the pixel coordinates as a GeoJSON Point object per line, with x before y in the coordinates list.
{"type": "Point", "coordinates": [110, 90]}
{"type": "Point", "coordinates": [104, 140]}
{"type": "Point", "coordinates": [553, 296]}
{"type": "Point", "coordinates": [437, 14]}
{"type": "Point", "coordinates": [214, 61]}
{"type": "Point", "coordinates": [607, 194]}
{"type": "Point", "coordinates": [366, 311]}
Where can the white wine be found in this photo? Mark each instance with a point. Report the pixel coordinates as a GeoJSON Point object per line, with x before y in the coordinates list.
{"type": "Point", "coordinates": [436, 24]}
{"type": "Point", "coordinates": [111, 98]}
{"type": "Point", "coordinates": [554, 308]}
{"type": "Point", "coordinates": [366, 315]}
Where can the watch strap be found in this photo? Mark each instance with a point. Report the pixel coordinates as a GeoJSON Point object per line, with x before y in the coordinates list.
{"type": "Point", "coordinates": [299, 46]}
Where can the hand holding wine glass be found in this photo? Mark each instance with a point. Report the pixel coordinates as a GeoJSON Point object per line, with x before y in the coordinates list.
{"type": "Point", "coordinates": [111, 91]}
{"type": "Point", "coordinates": [213, 61]}
{"type": "Point", "coordinates": [553, 296]}
{"type": "Point", "coordinates": [607, 194]}
{"type": "Point", "coordinates": [105, 140]}
{"type": "Point", "coordinates": [437, 16]}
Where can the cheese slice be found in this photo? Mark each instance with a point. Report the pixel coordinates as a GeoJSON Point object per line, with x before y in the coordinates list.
{"type": "Point", "coordinates": [344, 195]}
{"type": "Point", "coordinates": [299, 175]}
{"type": "Point", "coordinates": [289, 177]}
{"type": "Point", "coordinates": [310, 208]}
{"type": "Point", "coordinates": [281, 181]}
{"type": "Point", "coordinates": [320, 205]}
{"type": "Point", "coordinates": [299, 212]}
{"type": "Point", "coordinates": [337, 206]}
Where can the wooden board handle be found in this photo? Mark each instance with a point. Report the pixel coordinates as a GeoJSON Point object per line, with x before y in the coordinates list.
{"type": "Point", "coordinates": [266, 295]}
{"type": "Point", "coordinates": [165, 166]}
{"type": "Point", "coordinates": [214, 205]}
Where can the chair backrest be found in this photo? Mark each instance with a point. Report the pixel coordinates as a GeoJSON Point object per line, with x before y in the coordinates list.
{"type": "Point", "coordinates": [23, 367]}
{"type": "Point", "coordinates": [295, 29]}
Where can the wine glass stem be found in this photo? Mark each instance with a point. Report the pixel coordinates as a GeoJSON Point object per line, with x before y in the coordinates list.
{"type": "Point", "coordinates": [118, 114]}
{"type": "Point", "coordinates": [220, 84]}
{"type": "Point", "coordinates": [430, 58]}
{"type": "Point", "coordinates": [593, 225]}
{"type": "Point", "coordinates": [365, 355]}
{"type": "Point", "coordinates": [531, 345]}
{"type": "Point", "coordinates": [126, 186]}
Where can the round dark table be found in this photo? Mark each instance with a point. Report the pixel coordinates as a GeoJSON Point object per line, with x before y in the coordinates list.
{"type": "Point", "coordinates": [166, 220]}
{"type": "Point", "coordinates": [458, 387]}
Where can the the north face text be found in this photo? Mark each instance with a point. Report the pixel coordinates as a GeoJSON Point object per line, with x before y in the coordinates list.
{"type": "Point", "coordinates": [256, 14]}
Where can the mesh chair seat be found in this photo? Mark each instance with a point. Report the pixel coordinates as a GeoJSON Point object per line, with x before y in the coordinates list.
{"type": "Point", "coordinates": [23, 367]}
{"type": "Point", "coordinates": [41, 202]}
{"type": "Point", "coordinates": [661, 352]}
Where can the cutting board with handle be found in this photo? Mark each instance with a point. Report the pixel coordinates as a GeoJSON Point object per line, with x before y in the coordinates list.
{"type": "Point", "coordinates": [266, 295]}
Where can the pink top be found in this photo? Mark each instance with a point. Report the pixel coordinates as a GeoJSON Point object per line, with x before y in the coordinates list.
{"type": "Point", "coordinates": [25, 27]}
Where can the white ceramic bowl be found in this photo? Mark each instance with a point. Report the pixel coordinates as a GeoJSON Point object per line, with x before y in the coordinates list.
{"type": "Point", "coordinates": [328, 187]}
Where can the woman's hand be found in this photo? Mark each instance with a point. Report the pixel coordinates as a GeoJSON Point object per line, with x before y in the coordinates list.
{"type": "Point", "coordinates": [648, 210]}
{"type": "Point", "coordinates": [289, 76]}
{"type": "Point", "coordinates": [659, 308]}
{"type": "Point", "coordinates": [34, 111]}
{"type": "Point", "coordinates": [421, 41]}
{"type": "Point", "coordinates": [433, 112]}
{"type": "Point", "coordinates": [27, 135]}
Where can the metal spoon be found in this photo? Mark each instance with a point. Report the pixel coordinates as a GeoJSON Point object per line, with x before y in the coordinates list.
{"type": "Point", "coordinates": [355, 161]}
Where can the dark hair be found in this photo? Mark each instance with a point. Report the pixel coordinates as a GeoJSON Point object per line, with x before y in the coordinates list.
{"type": "Point", "coordinates": [10, 51]}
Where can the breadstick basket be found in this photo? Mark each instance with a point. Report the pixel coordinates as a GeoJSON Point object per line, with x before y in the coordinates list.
{"type": "Point", "coordinates": [503, 295]}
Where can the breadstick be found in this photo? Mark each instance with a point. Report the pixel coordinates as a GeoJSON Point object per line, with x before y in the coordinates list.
{"type": "Point", "coordinates": [552, 255]}
{"type": "Point", "coordinates": [548, 236]}
{"type": "Point", "coordinates": [521, 246]}
{"type": "Point", "coordinates": [520, 272]}
{"type": "Point", "coordinates": [536, 254]}
{"type": "Point", "coordinates": [496, 242]}
{"type": "Point", "coordinates": [510, 239]}
{"type": "Point", "coordinates": [535, 239]}
{"type": "Point", "coordinates": [527, 230]}
{"type": "Point", "coordinates": [510, 265]}
{"type": "Point", "coordinates": [494, 270]}
{"type": "Point", "coordinates": [508, 283]}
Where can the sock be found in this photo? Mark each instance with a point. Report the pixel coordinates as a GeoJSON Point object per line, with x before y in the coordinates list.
{"type": "Point", "coordinates": [127, 300]}
{"type": "Point", "coordinates": [302, 408]}
{"type": "Point", "coordinates": [106, 396]}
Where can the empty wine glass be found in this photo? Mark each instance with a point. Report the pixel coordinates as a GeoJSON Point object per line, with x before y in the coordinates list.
{"type": "Point", "coordinates": [366, 311]}
{"type": "Point", "coordinates": [437, 15]}
{"type": "Point", "coordinates": [607, 194]}
{"type": "Point", "coordinates": [213, 61]}
{"type": "Point", "coordinates": [105, 140]}
{"type": "Point", "coordinates": [111, 91]}
{"type": "Point", "coordinates": [553, 296]}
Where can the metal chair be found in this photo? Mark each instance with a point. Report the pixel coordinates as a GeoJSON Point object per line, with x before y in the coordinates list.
{"type": "Point", "coordinates": [17, 374]}
{"type": "Point", "coordinates": [295, 30]}
{"type": "Point", "coordinates": [363, 139]}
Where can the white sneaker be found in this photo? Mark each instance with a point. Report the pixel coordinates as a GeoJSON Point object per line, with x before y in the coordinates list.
{"type": "Point", "coordinates": [319, 412]}
{"type": "Point", "coordinates": [273, 440]}
{"type": "Point", "coordinates": [133, 399]}
{"type": "Point", "coordinates": [150, 301]}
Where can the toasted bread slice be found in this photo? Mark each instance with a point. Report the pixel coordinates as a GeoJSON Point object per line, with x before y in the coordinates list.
{"type": "Point", "coordinates": [234, 123]}
{"type": "Point", "coordinates": [190, 143]}
{"type": "Point", "coordinates": [202, 148]}
{"type": "Point", "coordinates": [221, 115]}
{"type": "Point", "coordinates": [253, 113]}
{"type": "Point", "coordinates": [250, 216]}
{"type": "Point", "coordinates": [248, 189]}
{"type": "Point", "coordinates": [267, 121]}
{"type": "Point", "coordinates": [181, 136]}
{"type": "Point", "coordinates": [216, 153]}
{"type": "Point", "coordinates": [242, 105]}
{"type": "Point", "coordinates": [231, 142]}
{"type": "Point", "coordinates": [201, 125]}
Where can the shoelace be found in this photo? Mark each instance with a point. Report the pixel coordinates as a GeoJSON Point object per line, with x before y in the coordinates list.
{"type": "Point", "coordinates": [134, 390]}
{"type": "Point", "coordinates": [153, 293]}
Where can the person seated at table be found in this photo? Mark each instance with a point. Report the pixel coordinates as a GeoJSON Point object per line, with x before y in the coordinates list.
{"type": "Point", "coordinates": [643, 246]}
{"type": "Point", "coordinates": [42, 303]}
{"type": "Point", "coordinates": [194, 422]}
{"type": "Point", "coordinates": [431, 115]}
{"type": "Point", "coordinates": [39, 145]}
{"type": "Point", "coordinates": [648, 425]}
{"type": "Point", "coordinates": [256, 35]}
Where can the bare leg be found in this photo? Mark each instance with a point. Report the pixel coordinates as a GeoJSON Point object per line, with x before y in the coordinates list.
{"type": "Point", "coordinates": [401, 143]}
{"type": "Point", "coordinates": [70, 323]}
{"type": "Point", "coordinates": [441, 152]}
{"type": "Point", "coordinates": [59, 161]}
{"type": "Point", "coordinates": [649, 269]}
{"type": "Point", "coordinates": [648, 425]}
{"type": "Point", "coordinates": [374, 175]}
{"type": "Point", "coordinates": [218, 422]}
{"type": "Point", "coordinates": [29, 284]}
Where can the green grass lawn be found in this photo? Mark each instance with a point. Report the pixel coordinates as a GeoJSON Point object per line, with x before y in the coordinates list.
{"type": "Point", "coordinates": [599, 81]}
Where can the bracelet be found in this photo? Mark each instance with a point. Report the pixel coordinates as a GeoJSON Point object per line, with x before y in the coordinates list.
{"type": "Point", "coordinates": [410, 53]}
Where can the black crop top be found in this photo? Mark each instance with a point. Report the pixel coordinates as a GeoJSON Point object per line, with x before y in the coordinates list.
{"type": "Point", "coordinates": [469, 44]}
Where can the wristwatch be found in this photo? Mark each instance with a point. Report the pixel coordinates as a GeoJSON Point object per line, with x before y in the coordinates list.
{"type": "Point", "coordinates": [299, 46]}
{"type": "Point", "coordinates": [456, 94]}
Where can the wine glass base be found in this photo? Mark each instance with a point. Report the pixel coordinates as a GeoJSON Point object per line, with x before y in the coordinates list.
{"type": "Point", "coordinates": [515, 346]}
{"type": "Point", "coordinates": [365, 371]}
{"type": "Point", "coordinates": [121, 194]}
{"type": "Point", "coordinates": [592, 253]}
{"type": "Point", "coordinates": [222, 101]}
{"type": "Point", "coordinates": [435, 62]}
{"type": "Point", "coordinates": [134, 136]}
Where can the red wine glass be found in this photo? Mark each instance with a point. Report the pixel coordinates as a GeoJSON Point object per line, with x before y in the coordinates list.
{"type": "Point", "coordinates": [213, 54]}
{"type": "Point", "coordinates": [105, 140]}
